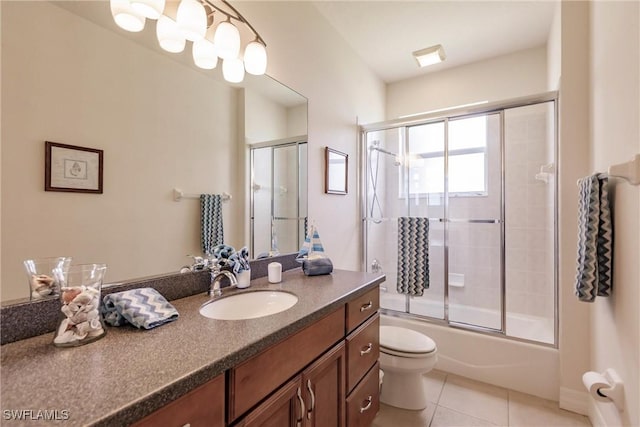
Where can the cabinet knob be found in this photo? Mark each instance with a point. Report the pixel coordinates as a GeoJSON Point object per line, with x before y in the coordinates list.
{"type": "Point", "coordinates": [366, 349]}
{"type": "Point", "coordinates": [366, 306]}
{"type": "Point", "coordinates": [367, 406]}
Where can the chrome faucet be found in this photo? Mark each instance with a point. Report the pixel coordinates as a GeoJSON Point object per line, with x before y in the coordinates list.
{"type": "Point", "coordinates": [216, 276]}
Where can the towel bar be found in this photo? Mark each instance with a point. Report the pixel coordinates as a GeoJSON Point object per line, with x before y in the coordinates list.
{"type": "Point", "coordinates": [628, 170]}
{"type": "Point", "coordinates": [179, 195]}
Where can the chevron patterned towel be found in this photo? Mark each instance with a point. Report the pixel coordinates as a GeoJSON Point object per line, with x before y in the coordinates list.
{"type": "Point", "coordinates": [595, 239]}
{"type": "Point", "coordinates": [413, 255]}
{"type": "Point", "coordinates": [144, 308]}
{"type": "Point", "coordinates": [211, 221]}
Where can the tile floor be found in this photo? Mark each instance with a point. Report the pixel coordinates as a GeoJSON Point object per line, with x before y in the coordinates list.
{"type": "Point", "coordinates": [460, 402]}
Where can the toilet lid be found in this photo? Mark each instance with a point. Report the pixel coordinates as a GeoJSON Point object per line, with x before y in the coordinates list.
{"type": "Point", "coordinates": [405, 340]}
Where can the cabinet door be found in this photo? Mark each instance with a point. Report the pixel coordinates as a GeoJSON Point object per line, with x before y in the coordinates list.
{"type": "Point", "coordinates": [203, 407]}
{"type": "Point", "coordinates": [363, 403]}
{"type": "Point", "coordinates": [363, 350]}
{"type": "Point", "coordinates": [283, 409]}
{"type": "Point", "coordinates": [323, 385]}
{"type": "Point", "coordinates": [256, 378]}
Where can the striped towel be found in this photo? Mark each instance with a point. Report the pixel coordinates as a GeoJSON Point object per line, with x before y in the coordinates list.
{"type": "Point", "coordinates": [211, 222]}
{"type": "Point", "coordinates": [595, 239]}
{"type": "Point", "coordinates": [312, 246]}
{"type": "Point", "coordinates": [413, 255]}
{"type": "Point", "coordinates": [144, 308]}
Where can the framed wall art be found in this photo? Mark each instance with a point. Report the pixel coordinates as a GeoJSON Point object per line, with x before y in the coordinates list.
{"type": "Point", "coordinates": [72, 169]}
{"type": "Point", "coordinates": [336, 171]}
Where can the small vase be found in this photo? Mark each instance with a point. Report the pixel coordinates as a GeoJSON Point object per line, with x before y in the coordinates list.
{"type": "Point", "coordinates": [244, 278]}
{"type": "Point", "coordinates": [80, 319]}
{"type": "Point", "coordinates": [42, 282]}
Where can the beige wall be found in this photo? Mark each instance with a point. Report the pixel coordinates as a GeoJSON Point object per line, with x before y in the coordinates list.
{"type": "Point", "coordinates": [301, 62]}
{"type": "Point", "coordinates": [615, 138]}
{"type": "Point", "coordinates": [306, 54]}
{"type": "Point", "coordinates": [572, 164]}
{"type": "Point", "coordinates": [496, 79]}
{"type": "Point", "coordinates": [161, 125]}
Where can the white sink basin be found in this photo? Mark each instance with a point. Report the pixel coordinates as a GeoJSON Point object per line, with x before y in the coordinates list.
{"type": "Point", "coordinates": [248, 305]}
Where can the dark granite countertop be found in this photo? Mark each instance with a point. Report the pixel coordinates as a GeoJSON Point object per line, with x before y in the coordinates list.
{"type": "Point", "coordinates": [130, 373]}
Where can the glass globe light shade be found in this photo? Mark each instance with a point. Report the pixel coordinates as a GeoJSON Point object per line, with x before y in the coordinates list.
{"type": "Point", "coordinates": [151, 9]}
{"type": "Point", "coordinates": [192, 19]}
{"type": "Point", "coordinates": [126, 17]}
{"type": "Point", "coordinates": [227, 40]}
{"type": "Point", "coordinates": [169, 35]}
{"type": "Point", "coordinates": [205, 54]}
{"type": "Point", "coordinates": [255, 58]}
{"type": "Point", "coordinates": [233, 70]}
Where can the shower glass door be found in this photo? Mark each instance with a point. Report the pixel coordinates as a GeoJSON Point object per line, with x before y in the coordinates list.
{"type": "Point", "coordinates": [474, 221]}
{"type": "Point", "coordinates": [452, 176]}
{"type": "Point", "coordinates": [485, 182]}
{"type": "Point", "coordinates": [278, 198]}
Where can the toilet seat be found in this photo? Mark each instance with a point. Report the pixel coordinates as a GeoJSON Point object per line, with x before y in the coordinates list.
{"type": "Point", "coordinates": [403, 342]}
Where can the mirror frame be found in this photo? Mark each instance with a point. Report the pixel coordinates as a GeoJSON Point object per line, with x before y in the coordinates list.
{"type": "Point", "coordinates": [334, 173]}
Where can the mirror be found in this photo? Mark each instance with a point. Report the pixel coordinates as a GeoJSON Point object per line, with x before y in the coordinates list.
{"type": "Point", "coordinates": [71, 76]}
{"type": "Point", "coordinates": [336, 171]}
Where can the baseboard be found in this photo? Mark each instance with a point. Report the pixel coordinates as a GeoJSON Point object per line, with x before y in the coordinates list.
{"type": "Point", "coordinates": [574, 401]}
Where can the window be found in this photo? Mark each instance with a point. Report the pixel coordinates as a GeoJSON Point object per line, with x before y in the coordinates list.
{"type": "Point", "coordinates": [467, 158]}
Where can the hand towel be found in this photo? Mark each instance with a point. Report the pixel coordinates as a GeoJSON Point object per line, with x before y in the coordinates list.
{"type": "Point", "coordinates": [143, 308]}
{"type": "Point", "coordinates": [312, 246]}
{"type": "Point", "coordinates": [595, 239]}
{"type": "Point", "coordinates": [413, 255]}
{"type": "Point", "coordinates": [211, 222]}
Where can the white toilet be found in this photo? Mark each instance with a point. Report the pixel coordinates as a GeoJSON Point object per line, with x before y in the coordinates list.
{"type": "Point", "coordinates": [405, 355]}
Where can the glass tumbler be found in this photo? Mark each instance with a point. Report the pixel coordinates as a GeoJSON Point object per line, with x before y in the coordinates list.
{"type": "Point", "coordinates": [42, 282]}
{"type": "Point", "coordinates": [80, 320]}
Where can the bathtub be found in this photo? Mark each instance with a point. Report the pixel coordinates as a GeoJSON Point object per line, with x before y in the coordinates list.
{"type": "Point", "coordinates": [516, 365]}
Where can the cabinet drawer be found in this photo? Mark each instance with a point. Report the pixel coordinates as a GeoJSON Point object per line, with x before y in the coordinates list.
{"type": "Point", "coordinates": [203, 406]}
{"type": "Point", "coordinates": [363, 350]}
{"type": "Point", "coordinates": [254, 379]}
{"type": "Point", "coordinates": [364, 402]}
{"type": "Point", "coordinates": [361, 308]}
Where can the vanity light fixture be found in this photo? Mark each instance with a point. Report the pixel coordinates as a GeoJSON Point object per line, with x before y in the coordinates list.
{"type": "Point", "coordinates": [126, 16]}
{"type": "Point", "coordinates": [233, 70]}
{"type": "Point", "coordinates": [151, 9]}
{"type": "Point", "coordinates": [429, 56]}
{"type": "Point", "coordinates": [194, 20]}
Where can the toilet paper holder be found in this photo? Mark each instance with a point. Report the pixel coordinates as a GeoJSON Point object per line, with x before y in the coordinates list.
{"type": "Point", "coordinates": [605, 387]}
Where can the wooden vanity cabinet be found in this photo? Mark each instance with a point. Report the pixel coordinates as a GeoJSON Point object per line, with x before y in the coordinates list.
{"type": "Point", "coordinates": [328, 382]}
{"type": "Point", "coordinates": [201, 407]}
{"type": "Point", "coordinates": [363, 350]}
{"type": "Point", "coordinates": [325, 375]}
{"type": "Point", "coordinates": [256, 378]}
{"type": "Point", "coordinates": [363, 402]}
{"type": "Point", "coordinates": [315, 398]}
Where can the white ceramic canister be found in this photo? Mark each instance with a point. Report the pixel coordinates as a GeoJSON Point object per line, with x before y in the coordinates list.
{"type": "Point", "coordinates": [275, 272]}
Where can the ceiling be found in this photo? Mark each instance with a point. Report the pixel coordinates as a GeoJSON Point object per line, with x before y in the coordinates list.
{"type": "Point", "coordinates": [385, 33]}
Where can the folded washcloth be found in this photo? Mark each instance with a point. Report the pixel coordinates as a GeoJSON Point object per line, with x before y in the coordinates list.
{"type": "Point", "coordinates": [143, 308]}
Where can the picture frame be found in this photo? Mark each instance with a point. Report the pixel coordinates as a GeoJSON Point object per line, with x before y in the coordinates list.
{"type": "Point", "coordinates": [71, 168]}
{"type": "Point", "coordinates": [336, 172]}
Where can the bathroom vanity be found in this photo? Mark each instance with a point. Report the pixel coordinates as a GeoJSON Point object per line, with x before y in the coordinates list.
{"type": "Point", "coordinates": [314, 364]}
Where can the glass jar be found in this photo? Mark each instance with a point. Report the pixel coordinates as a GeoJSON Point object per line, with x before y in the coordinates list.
{"type": "Point", "coordinates": [80, 319]}
{"type": "Point", "coordinates": [42, 282]}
